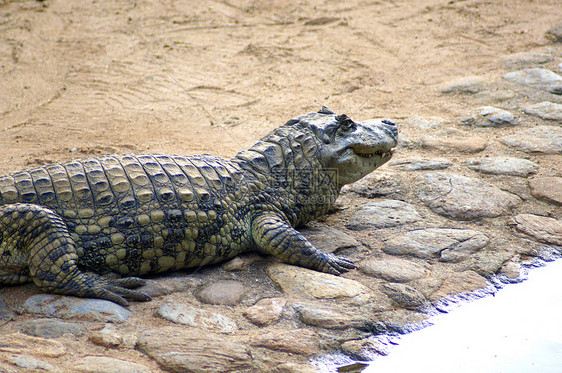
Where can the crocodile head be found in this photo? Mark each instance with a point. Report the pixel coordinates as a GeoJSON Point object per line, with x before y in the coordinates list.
{"type": "Point", "coordinates": [354, 149]}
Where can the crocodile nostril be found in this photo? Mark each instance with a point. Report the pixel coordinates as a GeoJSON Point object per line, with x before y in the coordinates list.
{"type": "Point", "coordinates": [389, 122]}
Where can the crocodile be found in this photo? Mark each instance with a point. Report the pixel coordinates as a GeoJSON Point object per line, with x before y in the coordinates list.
{"type": "Point", "coordinates": [70, 227]}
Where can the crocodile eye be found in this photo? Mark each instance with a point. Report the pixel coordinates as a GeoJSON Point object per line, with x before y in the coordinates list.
{"type": "Point", "coordinates": [345, 122]}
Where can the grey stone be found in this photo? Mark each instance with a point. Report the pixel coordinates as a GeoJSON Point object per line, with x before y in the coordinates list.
{"type": "Point", "coordinates": [377, 184]}
{"type": "Point", "coordinates": [196, 317]}
{"type": "Point", "coordinates": [329, 318]}
{"type": "Point", "coordinates": [541, 228]}
{"type": "Point", "coordinates": [463, 198]}
{"type": "Point", "coordinates": [405, 296]}
{"type": "Point", "coordinates": [465, 85]}
{"type": "Point", "coordinates": [504, 166]}
{"type": "Point", "coordinates": [452, 139]}
{"type": "Point", "coordinates": [366, 349]}
{"type": "Point", "coordinates": [492, 97]}
{"type": "Point", "coordinates": [449, 245]}
{"type": "Point", "coordinates": [169, 284]}
{"type": "Point", "coordinates": [329, 239]}
{"type": "Point", "coordinates": [547, 188]}
{"type": "Point", "coordinates": [76, 308]}
{"type": "Point", "coordinates": [6, 314]}
{"type": "Point", "coordinates": [105, 364]}
{"type": "Point", "coordinates": [30, 363]}
{"type": "Point", "coordinates": [537, 78]}
{"type": "Point", "coordinates": [306, 283]}
{"type": "Point", "coordinates": [546, 110]}
{"type": "Point", "coordinates": [555, 33]}
{"type": "Point", "coordinates": [50, 328]}
{"type": "Point", "coordinates": [526, 59]}
{"type": "Point", "coordinates": [540, 139]}
{"type": "Point", "coordinates": [421, 164]}
{"type": "Point", "coordinates": [191, 350]}
{"type": "Point", "coordinates": [383, 214]}
{"type": "Point", "coordinates": [489, 116]}
{"type": "Point", "coordinates": [394, 270]}
{"type": "Point", "coordinates": [226, 292]}
{"type": "Point", "coordinates": [266, 311]}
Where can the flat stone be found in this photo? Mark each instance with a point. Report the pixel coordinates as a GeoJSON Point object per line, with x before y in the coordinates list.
{"type": "Point", "coordinates": [107, 337]}
{"type": "Point", "coordinates": [383, 214]}
{"type": "Point", "coordinates": [405, 296]}
{"type": "Point", "coordinates": [540, 139]}
{"type": "Point", "coordinates": [50, 328]}
{"type": "Point", "coordinates": [452, 139]}
{"type": "Point", "coordinates": [493, 97]}
{"type": "Point", "coordinates": [240, 263]}
{"type": "Point", "coordinates": [449, 245]}
{"type": "Point", "coordinates": [460, 282]}
{"type": "Point", "coordinates": [328, 318]}
{"type": "Point", "coordinates": [547, 188]}
{"type": "Point", "coordinates": [18, 343]}
{"type": "Point", "coordinates": [196, 317]}
{"type": "Point", "coordinates": [75, 308]}
{"type": "Point", "coordinates": [104, 364]}
{"type": "Point", "coordinates": [424, 123]}
{"type": "Point", "coordinates": [366, 349]}
{"type": "Point", "coordinates": [30, 363]}
{"type": "Point", "coordinates": [537, 78]}
{"type": "Point", "coordinates": [546, 110]}
{"type": "Point", "coordinates": [191, 350]}
{"type": "Point", "coordinates": [226, 292]}
{"type": "Point", "coordinates": [265, 311]}
{"type": "Point", "coordinates": [394, 270]}
{"type": "Point", "coordinates": [297, 341]}
{"type": "Point", "coordinates": [541, 228]}
{"type": "Point", "coordinates": [465, 85]}
{"type": "Point", "coordinates": [376, 184]}
{"type": "Point", "coordinates": [555, 33]}
{"type": "Point", "coordinates": [463, 198]}
{"type": "Point", "coordinates": [329, 239]}
{"type": "Point", "coordinates": [171, 283]}
{"type": "Point", "coordinates": [306, 283]}
{"type": "Point", "coordinates": [504, 166]}
{"type": "Point", "coordinates": [489, 116]}
{"type": "Point", "coordinates": [421, 164]}
{"type": "Point", "coordinates": [526, 59]}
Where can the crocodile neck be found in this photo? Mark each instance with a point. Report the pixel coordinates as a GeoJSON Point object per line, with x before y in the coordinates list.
{"type": "Point", "coordinates": [287, 163]}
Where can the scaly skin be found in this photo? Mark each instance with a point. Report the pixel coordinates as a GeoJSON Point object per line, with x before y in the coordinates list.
{"type": "Point", "coordinates": [64, 226]}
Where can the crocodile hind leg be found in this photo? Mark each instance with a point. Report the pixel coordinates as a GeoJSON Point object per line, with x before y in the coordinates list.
{"type": "Point", "coordinates": [36, 241]}
{"type": "Point", "coordinates": [274, 236]}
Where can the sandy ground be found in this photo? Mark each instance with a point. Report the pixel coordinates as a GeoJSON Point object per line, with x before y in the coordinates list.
{"type": "Point", "coordinates": [81, 78]}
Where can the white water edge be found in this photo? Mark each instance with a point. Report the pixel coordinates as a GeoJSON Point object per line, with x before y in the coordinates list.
{"type": "Point", "coordinates": [518, 330]}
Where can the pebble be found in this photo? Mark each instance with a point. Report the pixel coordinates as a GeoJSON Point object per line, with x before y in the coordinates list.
{"type": "Point", "coordinates": [489, 116]}
{"type": "Point", "coordinates": [192, 350]}
{"type": "Point", "coordinates": [421, 164]}
{"type": "Point", "coordinates": [30, 363]}
{"type": "Point", "coordinates": [50, 328]}
{"type": "Point", "coordinates": [540, 139]}
{"type": "Point", "coordinates": [197, 317]}
{"type": "Point", "coordinates": [383, 214]}
{"type": "Point", "coordinates": [496, 96]}
{"type": "Point", "coordinates": [405, 296]}
{"type": "Point", "coordinates": [297, 341]}
{"type": "Point", "coordinates": [107, 337]}
{"type": "Point", "coordinates": [541, 228]}
{"type": "Point", "coordinates": [226, 292]}
{"type": "Point", "coordinates": [545, 110]}
{"type": "Point", "coordinates": [460, 282]}
{"type": "Point", "coordinates": [306, 283]}
{"type": "Point", "coordinates": [555, 33]}
{"type": "Point", "coordinates": [329, 239]}
{"type": "Point", "coordinates": [266, 311]}
{"type": "Point", "coordinates": [454, 140]}
{"type": "Point", "coordinates": [460, 197]}
{"type": "Point", "coordinates": [76, 308]}
{"type": "Point", "coordinates": [447, 244]}
{"type": "Point", "coordinates": [547, 188]}
{"type": "Point", "coordinates": [377, 184]}
{"type": "Point", "coordinates": [21, 344]}
{"type": "Point", "coordinates": [104, 364]}
{"type": "Point", "coordinates": [328, 318]}
{"type": "Point", "coordinates": [542, 79]}
{"type": "Point", "coordinates": [468, 84]}
{"type": "Point", "coordinates": [394, 270]}
{"type": "Point", "coordinates": [526, 59]}
{"type": "Point", "coordinates": [504, 166]}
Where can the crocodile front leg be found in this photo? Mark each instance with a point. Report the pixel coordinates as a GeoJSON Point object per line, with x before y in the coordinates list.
{"type": "Point", "coordinates": [272, 235]}
{"type": "Point", "coordinates": [35, 241]}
